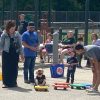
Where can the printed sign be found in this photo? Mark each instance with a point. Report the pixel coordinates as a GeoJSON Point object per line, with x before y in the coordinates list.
{"type": "Point", "coordinates": [59, 70]}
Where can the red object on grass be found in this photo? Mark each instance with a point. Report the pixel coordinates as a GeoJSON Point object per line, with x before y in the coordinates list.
{"type": "Point", "coordinates": [61, 86]}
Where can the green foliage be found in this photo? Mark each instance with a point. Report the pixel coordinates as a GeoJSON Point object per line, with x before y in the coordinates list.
{"type": "Point", "coordinates": [95, 5]}
{"type": "Point", "coordinates": [27, 5]}
{"type": "Point", "coordinates": [67, 5]}
{"type": "Point", "coordinates": [44, 5]}
{"type": "Point", "coordinates": [7, 4]}
{"type": "Point", "coordinates": [56, 5]}
{"type": "Point", "coordinates": [29, 17]}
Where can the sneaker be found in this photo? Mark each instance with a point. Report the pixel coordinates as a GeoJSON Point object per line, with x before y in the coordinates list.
{"type": "Point", "coordinates": [92, 91]}
{"type": "Point", "coordinates": [4, 86]}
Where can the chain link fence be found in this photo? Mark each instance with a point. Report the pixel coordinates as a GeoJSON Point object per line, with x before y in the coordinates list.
{"type": "Point", "coordinates": [58, 18]}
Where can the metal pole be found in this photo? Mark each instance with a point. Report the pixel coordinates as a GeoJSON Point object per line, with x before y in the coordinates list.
{"type": "Point", "coordinates": [55, 47]}
{"type": "Point", "coordinates": [3, 1]}
{"type": "Point", "coordinates": [92, 26]}
{"type": "Point", "coordinates": [60, 33]}
{"type": "Point", "coordinates": [92, 22]}
{"type": "Point", "coordinates": [99, 29]}
{"type": "Point", "coordinates": [52, 30]}
{"type": "Point", "coordinates": [49, 13]}
{"type": "Point", "coordinates": [76, 33]}
{"type": "Point", "coordinates": [12, 9]}
{"type": "Point", "coordinates": [17, 13]}
{"type": "Point", "coordinates": [39, 22]}
{"type": "Point", "coordinates": [36, 2]}
{"type": "Point", "coordinates": [86, 22]}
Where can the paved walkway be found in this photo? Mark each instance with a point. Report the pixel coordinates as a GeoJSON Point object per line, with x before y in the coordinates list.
{"type": "Point", "coordinates": [27, 92]}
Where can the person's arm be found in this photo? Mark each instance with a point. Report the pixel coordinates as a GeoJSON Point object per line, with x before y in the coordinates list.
{"type": "Point", "coordinates": [67, 64]}
{"type": "Point", "coordinates": [68, 45]}
{"type": "Point", "coordinates": [2, 41]}
{"type": "Point", "coordinates": [20, 46]}
{"type": "Point", "coordinates": [28, 46]}
{"type": "Point", "coordinates": [25, 44]}
{"type": "Point", "coordinates": [20, 43]}
{"type": "Point", "coordinates": [36, 81]}
{"type": "Point", "coordinates": [44, 82]}
{"type": "Point", "coordinates": [74, 64]}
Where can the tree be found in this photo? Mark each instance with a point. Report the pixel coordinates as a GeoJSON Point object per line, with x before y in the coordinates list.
{"type": "Point", "coordinates": [95, 5]}
{"type": "Point", "coordinates": [66, 5]}
{"type": "Point", "coordinates": [58, 5]}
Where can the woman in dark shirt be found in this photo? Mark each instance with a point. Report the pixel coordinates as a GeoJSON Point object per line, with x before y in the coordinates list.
{"type": "Point", "coordinates": [67, 45]}
{"type": "Point", "coordinates": [11, 48]}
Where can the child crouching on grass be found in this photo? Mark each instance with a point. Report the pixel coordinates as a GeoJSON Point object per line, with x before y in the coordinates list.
{"type": "Point", "coordinates": [72, 63]}
{"type": "Point", "coordinates": [40, 78]}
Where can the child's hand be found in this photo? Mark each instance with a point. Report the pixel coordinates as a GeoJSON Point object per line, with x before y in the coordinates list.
{"type": "Point", "coordinates": [69, 64]}
{"type": "Point", "coordinates": [66, 64]}
{"type": "Point", "coordinates": [21, 58]}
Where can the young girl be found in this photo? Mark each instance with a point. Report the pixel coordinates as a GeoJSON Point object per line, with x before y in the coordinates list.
{"type": "Point", "coordinates": [43, 49]}
{"type": "Point", "coordinates": [40, 78]}
{"type": "Point", "coordinates": [72, 63]}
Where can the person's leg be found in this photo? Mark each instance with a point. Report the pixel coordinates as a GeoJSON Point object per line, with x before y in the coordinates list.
{"type": "Point", "coordinates": [5, 69]}
{"type": "Point", "coordinates": [44, 83]}
{"type": "Point", "coordinates": [97, 69]}
{"type": "Point", "coordinates": [36, 82]}
{"type": "Point", "coordinates": [68, 76]}
{"type": "Point", "coordinates": [44, 53]}
{"type": "Point", "coordinates": [14, 69]}
{"type": "Point", "coordinates": [31, 69]}
{"type": "Point", "coordinates": [79, 60]}
{"type": "Point", "coordinates": [41, 56]}
{"type": "Point", "coordinates": [41, 47]}
{"type": "Point", "coordinates": [94, 72]}
{"type": "Point", "coordinates": [94, 75]}
{"type": "Point", "coordinates": [26, 68]}
{"type": "Point", "coordinates": [72, 76]}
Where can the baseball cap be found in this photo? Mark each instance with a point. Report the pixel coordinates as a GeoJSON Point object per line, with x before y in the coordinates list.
{"type": "Point", "coordinates": [31, 24]}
